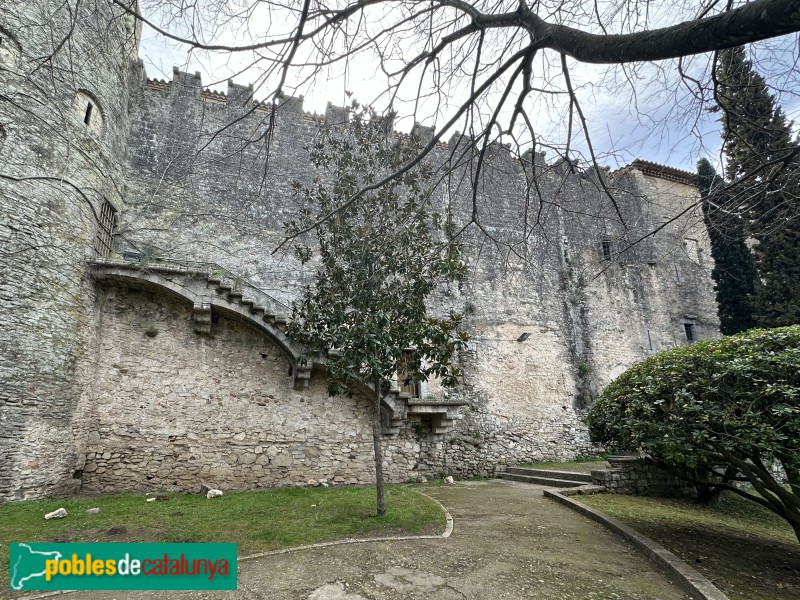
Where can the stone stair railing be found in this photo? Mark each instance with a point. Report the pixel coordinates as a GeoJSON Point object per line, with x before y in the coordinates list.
{"type": "Point", "coordinates": [208, 285]}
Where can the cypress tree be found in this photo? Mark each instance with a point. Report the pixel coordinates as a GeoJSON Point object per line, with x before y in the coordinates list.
{"type": "Point", "coordinates": [734, 275]}
{"type": "Point", "coordinates": [764, 162]}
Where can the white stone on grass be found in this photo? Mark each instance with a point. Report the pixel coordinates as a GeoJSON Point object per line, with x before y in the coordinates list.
{"type": "Point", "coordinates": [56, 514]}
{"type": "Point", "coordinates": [213, 494]}
{"type": "Point", "coordinates": [92, 511]}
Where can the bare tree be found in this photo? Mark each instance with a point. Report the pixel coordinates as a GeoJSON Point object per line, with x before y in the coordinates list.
{"type": "Point", "coordinates": [513, 72]}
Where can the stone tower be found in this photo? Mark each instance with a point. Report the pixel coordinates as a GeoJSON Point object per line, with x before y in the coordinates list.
{"type": "Point", "coordinates": [64, 81]}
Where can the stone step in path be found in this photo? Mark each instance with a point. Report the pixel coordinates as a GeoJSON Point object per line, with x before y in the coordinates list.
{"type": "Point", "coordinates": [548, 477]}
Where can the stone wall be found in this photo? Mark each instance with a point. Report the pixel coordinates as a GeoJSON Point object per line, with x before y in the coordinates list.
{"type": "Point", "coordinates": [638, 477]}
{"type": "Point", "coordinates": [57, 172]}
{"type": "Point", "coordinates": [171, 409]}
{"type": "Point", "coordinates": [556, 305]}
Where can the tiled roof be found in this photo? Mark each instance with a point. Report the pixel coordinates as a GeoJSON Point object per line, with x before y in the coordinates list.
{"type": "Point", "coordinates": [664, 172]}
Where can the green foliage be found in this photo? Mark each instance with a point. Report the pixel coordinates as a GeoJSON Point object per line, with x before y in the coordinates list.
{"type": "Point", "coordinates": [381, 249]}
{"type": "Point", "coordinates": [734, 274]}
{"type": "Point", "coordinates": [763, 168]}
{"type": "Point", "coordinates": [584, 368]}
{"type": "Point", "coordinates": [378, 259]}
{"type": "Point", "coordinates": [731, 404]}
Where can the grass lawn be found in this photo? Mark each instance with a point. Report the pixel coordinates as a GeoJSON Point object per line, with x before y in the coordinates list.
{"type": "Point", "coordinates": [747, 551]}
{"type": "Point", "coordinates": [256, 521]}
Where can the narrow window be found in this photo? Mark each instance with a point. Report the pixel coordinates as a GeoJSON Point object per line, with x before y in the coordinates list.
{"type": "Point", "coordinates": [649, 340]}
{"type": "Point", "coordinates": [689, 329]}
{"type": "Point", "coordinates": [2, 137]}
{"type": "Point", "coordinates": [606, 246]}
{"type": "Point", "coordinates": [105, 230]}
{"type": "Point", "coordinates": [88, 112]}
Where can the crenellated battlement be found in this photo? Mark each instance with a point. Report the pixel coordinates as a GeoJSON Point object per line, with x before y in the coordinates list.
{"type": "Point", "coordinates": [240, 98]}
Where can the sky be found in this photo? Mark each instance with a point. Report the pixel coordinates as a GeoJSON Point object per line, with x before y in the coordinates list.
{"type": "Point", "coordinates": [656, 120]}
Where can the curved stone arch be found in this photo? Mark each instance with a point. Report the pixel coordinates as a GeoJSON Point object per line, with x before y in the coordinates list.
{"type": "Point", "coordinates": [202, 302]}
{"type": "Point", "coordinates": [191, 286]}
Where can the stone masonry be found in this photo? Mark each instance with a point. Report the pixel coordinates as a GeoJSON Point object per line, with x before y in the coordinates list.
{"type": "Point", "coordinates": [110, 385]}
{"type": "Point", "coordinates": [633, 476]}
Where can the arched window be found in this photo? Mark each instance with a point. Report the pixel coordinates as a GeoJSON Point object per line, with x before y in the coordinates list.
{"type": "Point", "coordinates": [87, 112]}
{"type": "Point", "coordinates": [9, 49]}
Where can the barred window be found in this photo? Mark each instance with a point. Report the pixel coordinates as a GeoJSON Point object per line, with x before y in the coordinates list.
{"type": "Point", "coordinates": [105, 230]}
{"type": "Point", "coordinates": [607, 249]}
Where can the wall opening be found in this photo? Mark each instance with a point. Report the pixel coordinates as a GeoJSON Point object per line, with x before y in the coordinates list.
{"type": "Point", "coordinates": [606, 248]}
{"type": "Point", "coordinates": [688, 329]}
{"type": "Point", "coordinates": [87, 111]}
{"type": "Point", "coordinates": [413, 388]}
{"type": "Point", "coordinates": [106, 224]}
{"type": "Point", "coordinates": [9, 49]}
{"type": "Point", "coordinates": [2, 137]}
{"type": "Point", "coordinates": [692, 249]}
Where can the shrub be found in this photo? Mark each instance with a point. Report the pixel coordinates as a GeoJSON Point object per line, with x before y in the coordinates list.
{"type": "Point", "coordinates": [729, 408]}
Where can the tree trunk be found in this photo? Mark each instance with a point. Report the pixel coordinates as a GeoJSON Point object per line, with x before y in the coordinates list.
{"type": "Point", "coordinates": [376, 442]}
{"type": "Point", "coordinates": [710, 495]}
{"type": "Point", "coordinates": [796, 526]}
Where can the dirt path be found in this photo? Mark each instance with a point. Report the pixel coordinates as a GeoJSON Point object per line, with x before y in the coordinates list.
{"type": "Point", "coordinates": [508, 542]}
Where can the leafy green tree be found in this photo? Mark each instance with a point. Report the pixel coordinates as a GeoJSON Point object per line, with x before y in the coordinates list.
{"type": "Point", "coordinates": [729, 407]}
{"type": "Point", "coordinates": [734, 275]}
{"type": "Point", "coordinates": [763, 169]}
{"type": "Point", "coordinates": [378, 259]}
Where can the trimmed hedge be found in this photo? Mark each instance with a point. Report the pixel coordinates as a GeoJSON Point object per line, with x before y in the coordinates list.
{"type": "Point", "coordinates": [728, 404]}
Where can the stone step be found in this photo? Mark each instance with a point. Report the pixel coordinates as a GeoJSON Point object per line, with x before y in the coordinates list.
{"type": "Point", "coordinates": [256, 308]}
{"type": "Point", "coordinates": [234, 296]}
{"type": "Point", "coordinates": [559, 483]}
{"type": "Point", "coordinates": [551, 474]}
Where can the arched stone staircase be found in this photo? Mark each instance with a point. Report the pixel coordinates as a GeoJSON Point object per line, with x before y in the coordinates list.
{"type": "Point", "coordinates": [210, 288]}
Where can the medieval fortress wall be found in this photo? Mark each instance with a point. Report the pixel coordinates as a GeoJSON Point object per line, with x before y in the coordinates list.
{"type": "Point", "coordinates": [106, 385]}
